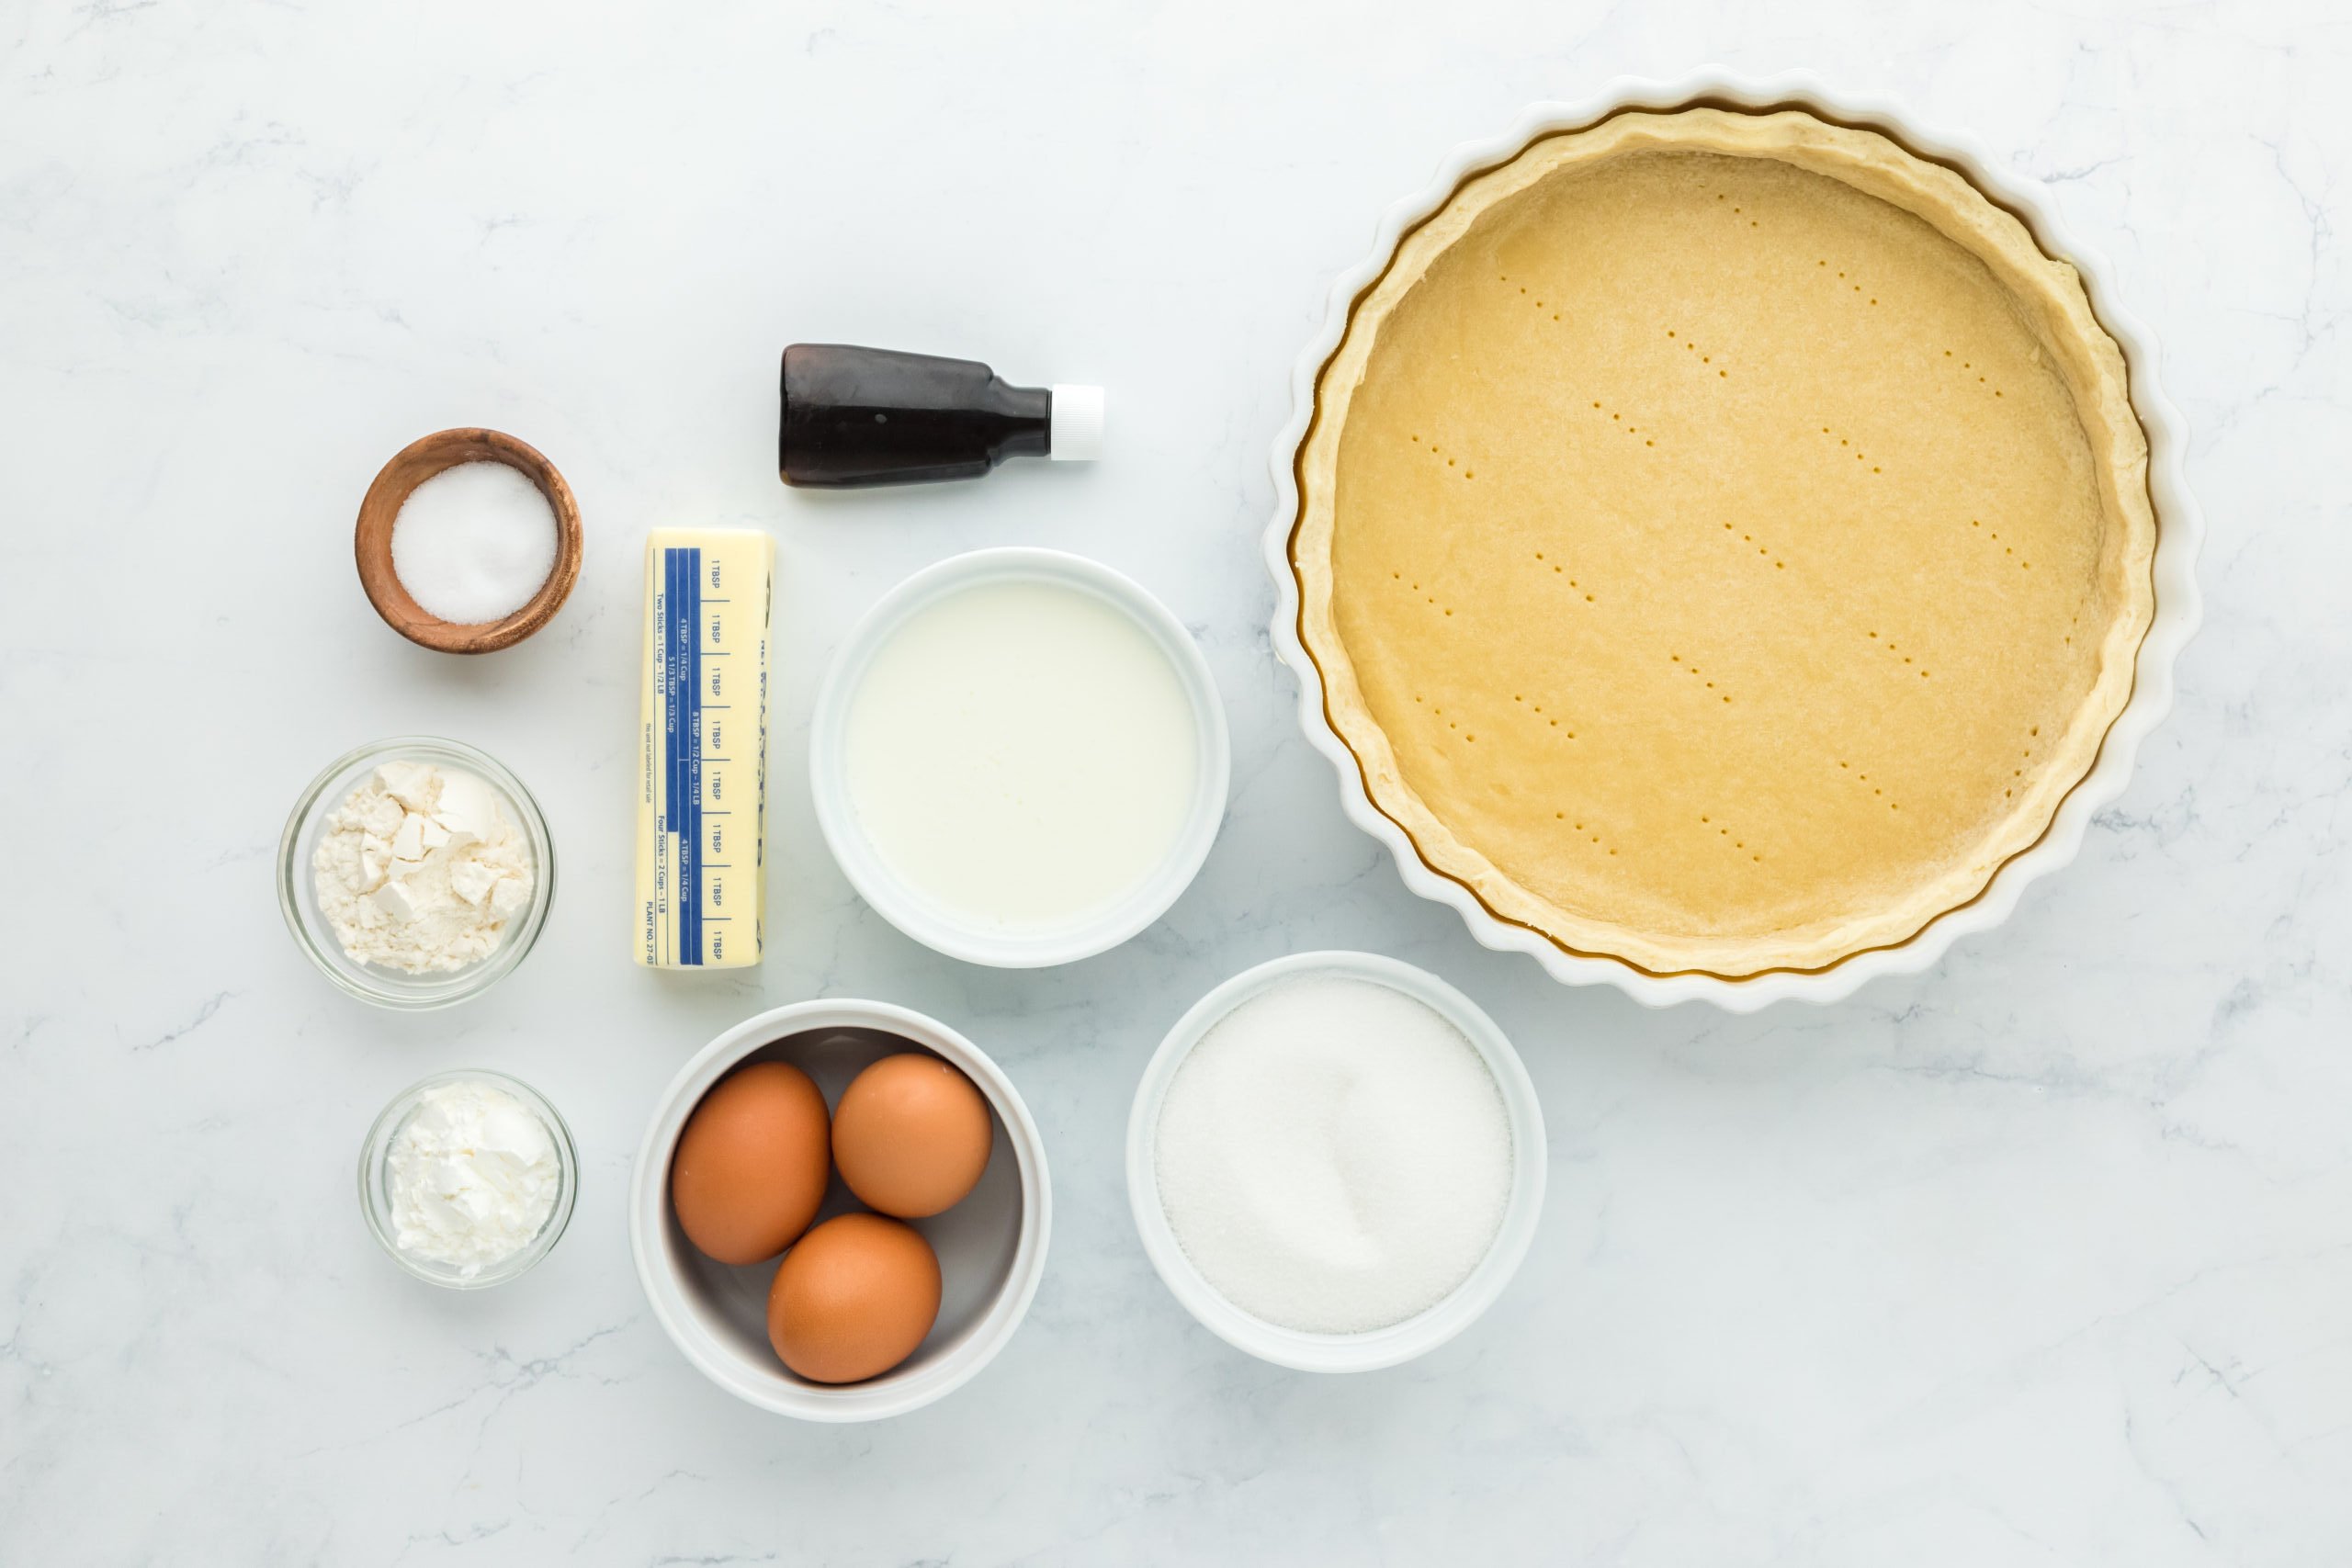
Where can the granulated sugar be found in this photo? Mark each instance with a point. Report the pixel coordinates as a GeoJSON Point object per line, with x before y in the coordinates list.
{"type": "Point", "coordinates": [1333, 1155]}
{"type": "Point", "coordinates": [474, 543]}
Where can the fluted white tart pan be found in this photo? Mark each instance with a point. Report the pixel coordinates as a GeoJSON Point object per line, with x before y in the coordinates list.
{"type": "Point", "coordinates": [2180, 533]}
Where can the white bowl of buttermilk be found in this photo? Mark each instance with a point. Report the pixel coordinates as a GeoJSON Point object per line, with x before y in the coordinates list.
{"type": "Point", "coordinates": [1018, 758]}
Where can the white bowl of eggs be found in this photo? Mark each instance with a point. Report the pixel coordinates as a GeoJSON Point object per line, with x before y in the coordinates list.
{"type": "Point", "coordinates": [893, 1169]}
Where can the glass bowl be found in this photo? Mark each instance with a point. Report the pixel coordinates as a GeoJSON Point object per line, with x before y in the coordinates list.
{"type": "Point", "coordinates": [376, 1189]}
{"type": "Point", "coordinates": [298, 890]}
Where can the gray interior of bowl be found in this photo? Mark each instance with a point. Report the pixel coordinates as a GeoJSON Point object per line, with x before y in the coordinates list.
{"type": "Point", "coordinates": [976, 1240]}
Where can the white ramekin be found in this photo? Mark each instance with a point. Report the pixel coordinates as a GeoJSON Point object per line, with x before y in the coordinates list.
{"type": "Point", "coordinates": [2180, 532]}
{"type": "Point", "coordinates": [1380, 1347]}
{"type": "Point", "coordinates": [943, 931]}
{"type": "Point", "coordinates": [991, 1245]}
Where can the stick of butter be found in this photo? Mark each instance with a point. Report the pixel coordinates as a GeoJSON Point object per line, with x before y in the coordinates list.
{"type": "Point", "coordinates": [702, 752]}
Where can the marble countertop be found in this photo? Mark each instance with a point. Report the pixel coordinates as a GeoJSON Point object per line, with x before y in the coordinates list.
{"type": "Point", "coordinates": [2045, 1256]}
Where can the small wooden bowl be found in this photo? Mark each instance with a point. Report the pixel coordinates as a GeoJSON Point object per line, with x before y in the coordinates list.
{"type": "Point", "coordinates": [411, 466]}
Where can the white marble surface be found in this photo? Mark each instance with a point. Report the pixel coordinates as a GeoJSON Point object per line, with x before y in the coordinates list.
{"type": "Point", "coordinates": [2043, 1258]}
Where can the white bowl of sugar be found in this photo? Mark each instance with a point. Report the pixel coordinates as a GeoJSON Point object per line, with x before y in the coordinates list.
{"type": "Point", "coordinates": [1336, 1161]}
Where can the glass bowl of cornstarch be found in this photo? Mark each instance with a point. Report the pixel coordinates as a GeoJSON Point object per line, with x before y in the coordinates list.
{"type": "Point", "coordinates": [468, 1178]}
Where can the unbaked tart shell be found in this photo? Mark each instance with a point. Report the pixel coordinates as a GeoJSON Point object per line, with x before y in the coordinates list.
{"type": "Point", "coordinates": [1724, 539]}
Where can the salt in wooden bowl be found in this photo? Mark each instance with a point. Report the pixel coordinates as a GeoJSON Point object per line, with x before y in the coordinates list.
{"type": "Point", "coordinates": [411, 466]}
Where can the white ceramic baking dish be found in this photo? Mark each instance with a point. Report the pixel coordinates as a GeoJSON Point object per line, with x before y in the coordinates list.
{"type": "Point", "coordinates": [2180, 533]}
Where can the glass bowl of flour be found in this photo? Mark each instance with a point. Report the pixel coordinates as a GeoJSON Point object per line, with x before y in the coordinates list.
{"type": "Point", "coordinates": [466, 1179]}
{"type": "Point", "coordinates": [415, 872]}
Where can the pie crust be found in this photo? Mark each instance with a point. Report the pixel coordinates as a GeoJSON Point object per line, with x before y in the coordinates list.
{"type": "Point", "coordinates": [1724, 539]}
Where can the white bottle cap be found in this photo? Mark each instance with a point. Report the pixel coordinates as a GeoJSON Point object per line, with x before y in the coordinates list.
{"type": "Point", "coordinates": [1076, 436]}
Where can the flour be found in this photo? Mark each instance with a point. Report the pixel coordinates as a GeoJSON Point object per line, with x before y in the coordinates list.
{"type": "Point", "coordinates": [420, 869]}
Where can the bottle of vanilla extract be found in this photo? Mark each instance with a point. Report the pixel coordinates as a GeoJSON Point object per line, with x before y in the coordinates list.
{"type": "Point", "coordinates": [855, 417]}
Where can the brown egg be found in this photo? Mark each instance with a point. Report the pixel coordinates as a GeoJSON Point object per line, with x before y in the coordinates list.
{"type": "Point", "coordinates": [911, 1136]}
{"type": "Point", "coordinates": [853, 1299]}
{"type": "Point", "coordinates": [751, 1163]}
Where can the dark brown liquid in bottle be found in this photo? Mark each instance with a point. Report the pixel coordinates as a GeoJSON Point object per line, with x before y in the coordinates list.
{"type": "Point", "coordinates": [855, 417]}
